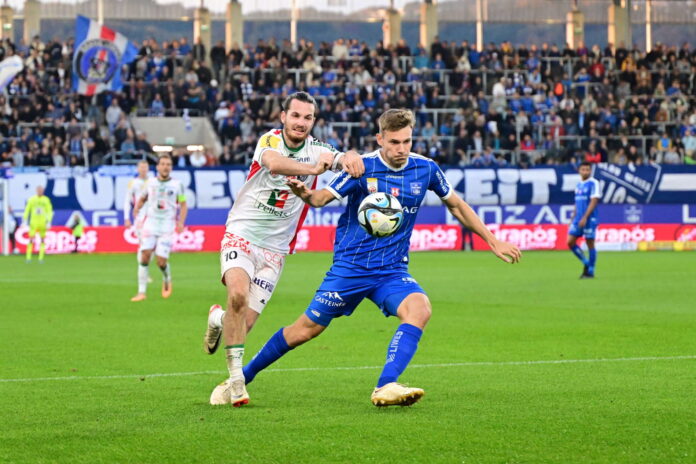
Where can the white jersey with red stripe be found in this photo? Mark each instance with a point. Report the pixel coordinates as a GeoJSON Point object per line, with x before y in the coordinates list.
{"type": "Point", "coordinates": [266, 212]}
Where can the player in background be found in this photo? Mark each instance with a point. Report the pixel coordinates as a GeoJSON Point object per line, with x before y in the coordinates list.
{"type": "Point", "coordinates": [584, 219]}
{"type": "Point", "coordinates": [164, 197]}
{"type": "Point", "coordinates": [136, 189]}
{"type": "Point", "coordinates": [377, 268]}
{"type": "Point", "coordinates": [261, 229]}
{"type": "Point", "coordinates": [38, 214]}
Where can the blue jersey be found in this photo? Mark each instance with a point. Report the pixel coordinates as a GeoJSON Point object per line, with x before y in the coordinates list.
{"type": "Point", "coordinates": [409, 184]}
{"type": "Point", "coordinates": [584, 192]}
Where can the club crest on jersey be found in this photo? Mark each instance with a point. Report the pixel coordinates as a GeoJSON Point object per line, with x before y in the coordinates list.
{"type": "Point", "coordinates": [372, 185]}
{"type": "Point", "coordinates": [395, 191]}
{"type": "Point", "coordinates": [416, 188]}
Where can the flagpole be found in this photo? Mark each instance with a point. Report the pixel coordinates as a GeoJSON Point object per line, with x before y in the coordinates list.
{"type": "Point", "coordinates": [100, 12]}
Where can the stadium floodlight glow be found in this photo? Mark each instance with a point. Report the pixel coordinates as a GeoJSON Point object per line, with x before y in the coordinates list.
{"type": "Point", "coordinates": [195, 147]}
{"type": "Point", "coordinates": [162, 148]}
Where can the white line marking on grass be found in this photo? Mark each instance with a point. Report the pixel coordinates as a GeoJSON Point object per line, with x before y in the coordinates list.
{"type": "Point", "coordinates": [358, 368]}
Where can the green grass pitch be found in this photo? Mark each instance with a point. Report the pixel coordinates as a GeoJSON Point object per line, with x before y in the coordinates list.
{"type": "Point", "coordinates": [622, 390]}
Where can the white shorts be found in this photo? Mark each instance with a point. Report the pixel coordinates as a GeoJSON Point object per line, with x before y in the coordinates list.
{"type": "Point", "coordinates": [161, 243]}
{"type": "Point", "coordinates": [263, 267]}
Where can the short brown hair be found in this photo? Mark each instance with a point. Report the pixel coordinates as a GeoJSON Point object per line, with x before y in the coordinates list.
{"type": "Point", "coordinates": [299, 96]}
{"type": "Point", "coordinates": [396, 119]}
{"type": "Point", "coordinates": [163, 156]}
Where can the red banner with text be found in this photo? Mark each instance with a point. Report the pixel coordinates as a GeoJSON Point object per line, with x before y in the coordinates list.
{"type": "Point", "coordinates": [120, 239]}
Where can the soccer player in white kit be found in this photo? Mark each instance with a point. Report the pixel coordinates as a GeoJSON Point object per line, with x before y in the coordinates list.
{"type": "Point", "coordinates": [261, 230]}
{"type": "Point", "coordinates": [165, 198]}
{"type": "Point", "coordinates": [136, 189]}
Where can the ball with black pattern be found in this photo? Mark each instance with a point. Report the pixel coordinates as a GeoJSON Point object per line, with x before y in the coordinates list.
{"type": "Point", "coordinates": [380, 214]}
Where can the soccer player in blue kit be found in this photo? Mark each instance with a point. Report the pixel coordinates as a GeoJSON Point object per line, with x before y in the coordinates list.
{"type": "Point", "coordinates": [377, 268]}
{"type": "Point", "coordinates": [584, 219]}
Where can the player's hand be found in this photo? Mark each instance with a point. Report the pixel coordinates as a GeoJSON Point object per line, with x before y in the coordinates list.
{"type": "Point", "coordinates": [298, 187]}
{"type": "Point", "coordinates": [581, 223]}
{"type": "Point", "coordinates": [353, 163]}
{"type": "Point", "coordinates": [179, 227]}
{"type": "Point", "coordinates": [324, 163]}
{"type": "Point", "coordinates": [127, 223]}
{"type": "Point", "coordinates": [506, 251]}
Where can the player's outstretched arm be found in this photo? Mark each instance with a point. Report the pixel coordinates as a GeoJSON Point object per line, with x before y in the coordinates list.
{"type": "Point", "coordinates": [469, 219]}
{"type": "Point", "coordinates": [315, 198]}
{"type": "Point", "coordinates": [279, 164]}
{"type": "Point", "coordinates": [351, 162]}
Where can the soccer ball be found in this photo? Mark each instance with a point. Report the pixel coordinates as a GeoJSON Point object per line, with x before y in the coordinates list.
{"type": "Point", "coordinates": [380, 214]}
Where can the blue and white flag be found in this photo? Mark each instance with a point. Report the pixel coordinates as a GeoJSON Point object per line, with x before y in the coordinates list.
{"type": "Point", "coordinates": [9, 68]}
{"type": "Point", "coordinates": [100, 53]}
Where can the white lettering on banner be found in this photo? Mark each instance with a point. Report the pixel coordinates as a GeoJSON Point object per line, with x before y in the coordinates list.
{"type": "Point", "coordinates": [537, 238]}
{"type": "Point", "coordinates": [213, 195]}
{"type": "Point", "coordinates": [478, 187]}
{"type": "Point", "coordinates": [105, 218]}
{"type": "Point", "coordinates": [302, 242]}
{"type": "Point", "coordinates": [541, 180]}
{"type": "Point", "coordinates": [22, 186]}
{"type": "Point", "coordinates": [485, 213]}
{"type": "Point", "coordinates": [60, 188]}
{"type": "Point", "coordinates": [569, 182]}
{"type": "Point", "coordinates": [185, 178]}
{"type": "Point", "coordinates": [60, 241]}
{"type": "Point", "coordinates": [236, 180]}
{"type": "Point", "coordinates": [433, 239]}
{"type": "Point", "coordinates": [95, 192]}
{"type": "Point", "coordinates": [625, 234]}
{"type": "Point", "coordinates": [515, 211]}
{"type": "Point", "coordinates": [687, 218]}
{"type": "Point", "coordinates": [566, 213]}
{"type": "Point", "coordinates": [507, 188]}
{"type": "Point", "coordinates": [545, 215]}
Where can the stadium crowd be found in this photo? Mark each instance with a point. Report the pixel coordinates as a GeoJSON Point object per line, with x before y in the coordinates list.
{"type": "Point", "coordinates": [502, 105]}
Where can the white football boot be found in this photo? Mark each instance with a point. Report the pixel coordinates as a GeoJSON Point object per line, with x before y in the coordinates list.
{"type": "Point", "coordinates": [396, 394]}
{"type": "Point", "coordinates": [230, 392]}
{"type": "Point", "coordinates": [211, 341]}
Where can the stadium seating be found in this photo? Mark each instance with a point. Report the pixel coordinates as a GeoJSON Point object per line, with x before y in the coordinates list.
{"type": "Point", "coordinates": [504, 105]}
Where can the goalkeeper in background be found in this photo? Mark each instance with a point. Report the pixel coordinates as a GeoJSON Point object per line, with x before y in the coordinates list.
{"type": "Point", "coordinates": [38, 215]}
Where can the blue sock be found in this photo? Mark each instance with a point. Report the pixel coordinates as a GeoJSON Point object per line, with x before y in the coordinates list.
{"type": "Point", "coordinates": [577, 251]}
{"type": "Point", "coordinates": [275, 347]}
{"type": "Point", "coordinates": [593, 260]}
{"type": "Point", "coordinates": [401, 349]}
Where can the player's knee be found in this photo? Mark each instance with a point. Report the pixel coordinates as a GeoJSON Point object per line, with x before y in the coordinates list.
{"type": "Point", "coordinates": [416, 310]}
{"type": "Point", "coordinates": [237, 299]}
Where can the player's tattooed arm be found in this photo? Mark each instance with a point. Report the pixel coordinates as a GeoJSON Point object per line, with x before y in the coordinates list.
{"type": "Point", "coordinates": [469, 219]}
{"type": "Point", "coordinates": [279, 164]}
{"type": "Point", "coordinates": [315, 198]}
{"type": "Point", "coordinates": [351, 162]}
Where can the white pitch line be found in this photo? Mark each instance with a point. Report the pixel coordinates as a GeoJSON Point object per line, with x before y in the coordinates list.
{"type": "Point", "coordinates": [358, 368]}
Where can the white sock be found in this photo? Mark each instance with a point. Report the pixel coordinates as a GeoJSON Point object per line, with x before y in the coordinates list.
{"type": "Point", "coordinates": [142, 279]}
{"type": "Point", "coordinates": [235, 361]}
{"type": "Point", "coordinates": [216, 317]}
{"type": "Point", "coordinates": [166, 273]}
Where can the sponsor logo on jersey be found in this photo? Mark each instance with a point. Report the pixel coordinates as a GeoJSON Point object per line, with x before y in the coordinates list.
{"type": "Point", "coordinates": [416, 188]}
{"type": "Point", "coordinates": [372, 185]}
{"type": "Point", "coordinates": [395, 191]}
{"type": "Point", "coordinates": [264, 284]}
{"type": "Point", "coordinates": [278, 198]}
{"type": "Point", "coordinates": [332, 295]}
{"type": "Point", "coordinates": [269, 141]}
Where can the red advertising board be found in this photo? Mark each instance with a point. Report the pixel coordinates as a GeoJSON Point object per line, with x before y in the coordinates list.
{"type": "Point", "coordinates": [119, 239]}
{"type": "Point", "coordinates": [609, 236]}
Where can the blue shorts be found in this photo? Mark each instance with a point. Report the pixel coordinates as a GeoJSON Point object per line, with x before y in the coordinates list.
{"type": "Point", "coordinates": [588, 231]}
{"type": "Point", "coordinates": [345, 287]}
